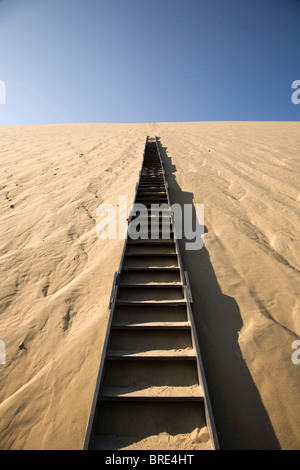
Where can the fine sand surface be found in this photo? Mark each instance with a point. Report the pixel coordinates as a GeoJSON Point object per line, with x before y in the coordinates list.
{"type": "Point", "coordinates": [56, 275]}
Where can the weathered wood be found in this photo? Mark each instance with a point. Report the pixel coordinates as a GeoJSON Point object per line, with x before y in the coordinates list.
{"type": "Point", "coordinates": [149, 359]}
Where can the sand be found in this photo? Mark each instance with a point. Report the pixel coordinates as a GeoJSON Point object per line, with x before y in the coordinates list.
{"type": "Point", "coordinates": [56, 275]}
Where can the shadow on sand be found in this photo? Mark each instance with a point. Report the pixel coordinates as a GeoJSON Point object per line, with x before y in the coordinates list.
{"type": "Point", "coordinates": [240, 416]}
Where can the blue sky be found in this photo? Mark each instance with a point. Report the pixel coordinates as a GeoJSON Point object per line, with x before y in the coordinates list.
{"type": "Point", "coordinates": [66, 61]}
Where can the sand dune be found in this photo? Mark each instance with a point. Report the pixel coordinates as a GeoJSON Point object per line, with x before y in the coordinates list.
{"type": "Point", "coordinates": [57, 275]}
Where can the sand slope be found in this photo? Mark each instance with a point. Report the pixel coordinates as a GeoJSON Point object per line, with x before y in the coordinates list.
{"type": "Point", "coordinates": [56, 275]}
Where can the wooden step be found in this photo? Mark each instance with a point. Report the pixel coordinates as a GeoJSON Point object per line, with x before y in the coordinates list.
{"type": "Point", "coordinates": [148, 241]}
{"type": "Point", "coordinates": [152, 325]}
{"type": "Point", "coordinates": [189, 393]}
{"type": "Point", "coordinates": [152, 197]}
{"type": "Point", "coordinates": [146, 193]}
{"type": "Point", "coordinates": [155, 187]}
{"type": "Point", "coordinates": [151, 255]}
{"type": "Point", "coordinates": [145, 250]}
{"type": "Point", "coordinates": [149, 186]}
{"type": "Point", "coordinates": [151, 194]}
{"type": "Point", "coordinates": [158, 355]}
{"type": "Point", "coordinates": [149, 202]}
{"type": "Point", "coordinates": [152, 219]}
{"type": "Point", "coordinates": [150, 260]}
{"type": "Point", "coordinates": [151, 190]}
{"type": "Point", "coordinates": [151, 268]}
{"type": "Point", "coordinates": [156, 232]}
{"type": "Point", "coordinates": [149, 206]}
{"type": "Point", "coordinates": [150, 181]}
{"type": "Point", "coordinates": [151, 303]}
{"type": "Point", "coordinates": [144, 314]}
{"type": "Point", "coordinates": [155, 285]}
{"type": "Point", "coordinates": [153, 223]}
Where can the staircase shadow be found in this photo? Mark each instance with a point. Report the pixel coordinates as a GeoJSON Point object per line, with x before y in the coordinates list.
{"type": "Point", "coordinates": [241, 419]}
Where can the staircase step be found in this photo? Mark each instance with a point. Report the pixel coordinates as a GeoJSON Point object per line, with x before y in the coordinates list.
{"type": "Point", "coordinates": [154, 268]}
{"type": "Point", "coordinates": [148, 241]}
{"type": "Point", "coordinates": [192, 393]}
{"type": "Point", "coordinates": [155, 285]}
{"type": "Point", "coordinates": [159, 355]}
{"type": "Point", "coordinates": [152, 325]}
{"type": "Point", "coordinates": [149, 303]}
{"type": "Point", "coordinates": [152, 255]}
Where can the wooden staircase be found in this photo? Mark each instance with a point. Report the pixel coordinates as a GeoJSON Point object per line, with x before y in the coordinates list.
{"type": "Point", "coordinates": [151, 377]}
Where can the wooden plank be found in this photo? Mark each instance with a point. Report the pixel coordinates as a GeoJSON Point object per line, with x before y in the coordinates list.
{"type": "Point", "coordinates": [152, 393]}
{"type": "Point", "coordinates": [159, 355]}
{"type": "Point", "coordinates": [153, 269]}
{"type": "Point", "coordinates": [148, 241]}
{"type": "Point", "coordinates": [148, 303]}
{"type": "Point", "coordinates": [151, 285]}
{"type": "Point", "coordinates": [152, 255]}
{"type": "Point", "coordinates": [152, 325]}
